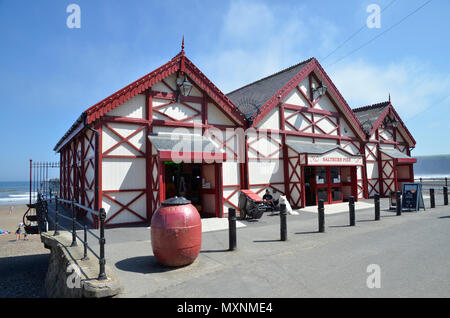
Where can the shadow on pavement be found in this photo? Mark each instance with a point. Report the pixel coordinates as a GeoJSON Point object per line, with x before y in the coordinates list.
{"type": "Point", "coordinates": [347, 225]}
{"type": "Point", "coordinates": [444, 217]}
{"type": "Point", "coordinates": [265, 241]}
{"type": "Point", "coordinates": [23, 276]}
{"type": "Point", "coordinates": [144, 265]}
{"type": "Point", "coordinates": [214, 251]}
{"type": "Point", "coordinates": [307, 232]}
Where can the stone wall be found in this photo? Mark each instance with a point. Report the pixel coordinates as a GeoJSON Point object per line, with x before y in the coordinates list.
{"type": "Point", "coordinates": [69, 276]}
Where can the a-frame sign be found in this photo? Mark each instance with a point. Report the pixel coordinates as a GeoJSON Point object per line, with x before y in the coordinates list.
{"type": "Point", "coordinates": [412, 197]}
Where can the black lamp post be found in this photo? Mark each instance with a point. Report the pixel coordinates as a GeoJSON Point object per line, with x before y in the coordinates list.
{"type": "Point", "coordinates": [391, 123]}
{"type": "Point", "coordinates": [184, 87]}
{"type": "Point", "coordinates": [321, 89]}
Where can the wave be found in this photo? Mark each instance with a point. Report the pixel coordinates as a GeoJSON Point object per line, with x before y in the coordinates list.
{"type": "Point", "coordinates": [13, 201]}
{"type": "Point", "coordinates": [19, 198]}
{"type": "Point", "coordinates": [429, 176]}
{"type": "Point", "coordinates": [26, 195]}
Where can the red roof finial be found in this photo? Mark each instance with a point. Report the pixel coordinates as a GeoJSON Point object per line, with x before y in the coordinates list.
{"type": "Point", "coordinates": [182, 45]}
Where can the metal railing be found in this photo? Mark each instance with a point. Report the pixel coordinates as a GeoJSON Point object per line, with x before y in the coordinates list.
{"type": "Point", "coordinates": [430, 181]}
{"type": "Point", "coordinates": [42, 204]}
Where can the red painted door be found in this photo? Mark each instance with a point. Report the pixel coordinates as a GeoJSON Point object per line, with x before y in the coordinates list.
{"type": "Point", "coordinates": [328, 185]}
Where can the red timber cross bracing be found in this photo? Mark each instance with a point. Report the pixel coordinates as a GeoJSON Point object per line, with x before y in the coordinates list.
{"type": "Point", "coordinates": [77, 172]}
{"type": "Point", "coordinates": [387, 145]}
{"type": "Point", "coordinates": [131, 181]}
{"type": "Point", "coordinates": [287, 108]}
{"type": "Point", "coordinates": [372, 142]}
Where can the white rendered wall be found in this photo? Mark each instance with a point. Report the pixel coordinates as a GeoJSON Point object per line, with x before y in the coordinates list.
{"type": "Point", "coordinates": [217, 117]}
{"type": "Point", "coordinates": [296, 98]}
{"type": "Point", "coordinates": [271, 120]}
{"type": "Point", "coordinates": [125, 170]}
{"type": "Point", "coordinates": [296, 121]}
{"type": "Point", "coordinates": [186, 112]}
{"type": "Point", "coordinates": [265, 164]}
{"type": "Point", "coordinates": [133, 108]}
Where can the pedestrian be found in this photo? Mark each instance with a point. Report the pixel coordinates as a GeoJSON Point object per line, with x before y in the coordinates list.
{"type": "Point", "coordinates": [11, 208]}
{"type": "Point", "coordinates": [19, 232]}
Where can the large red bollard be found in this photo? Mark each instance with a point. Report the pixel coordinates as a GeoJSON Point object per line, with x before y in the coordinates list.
{"type": "Point", "coordinates": [176, 232]}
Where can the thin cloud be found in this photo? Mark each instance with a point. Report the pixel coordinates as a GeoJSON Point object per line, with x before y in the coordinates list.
{"type": "Point", "coordinates": [256, 40]}
{"type": "Point", "coordinates": [414, 86]}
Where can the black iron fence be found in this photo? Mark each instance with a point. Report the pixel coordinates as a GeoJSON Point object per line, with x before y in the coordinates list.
{"type": "Point", "coordinates": [430, 182]}
{"type": "Point", "coordinates": [42, 179]}
{"type": "Point", "coordinates": [44, 219]}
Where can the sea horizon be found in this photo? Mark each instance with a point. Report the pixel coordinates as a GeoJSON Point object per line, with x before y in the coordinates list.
{"type": "Point", "coordinates": [14, 192]}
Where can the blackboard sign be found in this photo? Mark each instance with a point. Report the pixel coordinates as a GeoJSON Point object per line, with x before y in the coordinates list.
{"type": "Point", "coordinates": [412, 198]}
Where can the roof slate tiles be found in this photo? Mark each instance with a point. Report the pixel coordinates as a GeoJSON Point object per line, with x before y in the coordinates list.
{"type": "Point", "coordinates": [251, 97]}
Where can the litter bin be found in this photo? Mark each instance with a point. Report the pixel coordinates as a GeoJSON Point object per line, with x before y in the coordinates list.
{"type": "Point", "coordinates": [176, 232]}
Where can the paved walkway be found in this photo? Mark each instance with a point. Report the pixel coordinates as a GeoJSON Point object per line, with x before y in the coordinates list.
{"type": "Point", "coordinates": [338, 207]}
{"type": "Point", "coordinates": [410, 250]}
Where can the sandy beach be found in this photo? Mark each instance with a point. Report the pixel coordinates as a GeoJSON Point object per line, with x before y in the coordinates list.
{"type": "Point", "coordinates": [23, 264]}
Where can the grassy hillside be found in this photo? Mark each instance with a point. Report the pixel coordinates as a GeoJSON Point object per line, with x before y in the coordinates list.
{"type": "Point", "coordinates": [435, 164]}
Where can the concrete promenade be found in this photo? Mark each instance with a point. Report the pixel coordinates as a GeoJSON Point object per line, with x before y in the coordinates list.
{"type": "Point", "coordinates": [412, 251]}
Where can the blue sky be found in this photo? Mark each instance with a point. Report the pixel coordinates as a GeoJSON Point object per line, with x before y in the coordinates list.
{"type": "Point", "coordinates": [51, 73]}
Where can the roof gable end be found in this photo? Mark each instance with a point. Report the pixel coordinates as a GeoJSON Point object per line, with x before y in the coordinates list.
{"type": "Point", "coordinates": [375, 115]}
{"type": "Point", "coordinates": [310, 66]}
{"type": "Point", "coordinates": [178, 63]}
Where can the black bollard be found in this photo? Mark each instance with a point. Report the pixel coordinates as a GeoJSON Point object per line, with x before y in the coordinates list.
{"type": "Point", "coordinates": [321, 215]}
{"type": "Point", "coordinates": [445, 196]}
{"type": "Point", "coordinates": [232, 228]}
{"type": "Point", "coordinates": [377, 207]}
{"type": "Point", "coordinates": [432, 202]}
{"type": "Point", "coordinates": [398, 203]}
{"type": "Point", "coordinates": [351, 209]}
{"type": "Point", "coordinates": [102, 241]}
{"type": "Point", "coordinates": [283, 223]}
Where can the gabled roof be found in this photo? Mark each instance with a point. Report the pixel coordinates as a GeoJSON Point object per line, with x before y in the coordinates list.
{"type": "Point", "coordinates": [372, 116]}
{"type": "Point", "coordinates": [179, 63]}
{"type": "Point", "coordinates": [257, 99]}
{"type": "Point", "coordinates": [249, 98]}
{"type": "Point", "coordinates": [368, 115]}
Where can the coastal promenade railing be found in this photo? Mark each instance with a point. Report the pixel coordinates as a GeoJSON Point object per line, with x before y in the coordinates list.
{"type": "Point", "coordinates": [430, 181]}
{"type": "Point", "coordinates": [42, 205]}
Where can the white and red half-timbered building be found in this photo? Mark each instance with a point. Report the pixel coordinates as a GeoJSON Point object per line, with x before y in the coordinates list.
{"type": "Point", "coordinates": [173, 132]}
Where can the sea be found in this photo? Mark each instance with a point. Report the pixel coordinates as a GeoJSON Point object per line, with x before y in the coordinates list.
{"type": "Point", "coordinates": [14, 192]}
